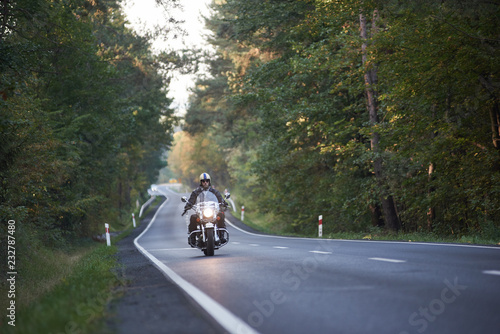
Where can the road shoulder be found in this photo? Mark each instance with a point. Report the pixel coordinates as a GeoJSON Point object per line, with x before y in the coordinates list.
{"type": "Point", "coordinates": [149, 302]}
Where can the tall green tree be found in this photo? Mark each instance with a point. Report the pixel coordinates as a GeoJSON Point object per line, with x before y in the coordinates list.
{"type": "Point", "coordinates": [434, 61]}
{"type": "Point", "coordinates": [388, 116]}
{"type": "Point", "coordinates": [84, 115]}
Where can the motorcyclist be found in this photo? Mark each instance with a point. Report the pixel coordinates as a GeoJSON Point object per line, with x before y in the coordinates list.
{"type": "Point", "coordinates": [205, 185]}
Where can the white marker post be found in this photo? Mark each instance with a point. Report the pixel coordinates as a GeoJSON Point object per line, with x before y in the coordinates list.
{"type": "Point", "coordinates": [242, 213]}
{"type": "Point", "coordinates": [133, 219]}
{"type": "Point", "coordinates": [108, 239]}
{"type": "Point", "coordinates": [320, 226]}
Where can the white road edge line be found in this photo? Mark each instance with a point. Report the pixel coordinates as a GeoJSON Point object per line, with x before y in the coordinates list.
{"type": "Point", "coordinates": [365, 241]}
{"type": "Point", "coordinates": [386, 260]}
{"type": "Point", "coordinates": [170, 249]}
{"type": "Point", "coordinates": [263, 235]}
{"type": "Point", "coordinates": [226, 319]}
{"type": "Point", "coordinates": [492, 272]}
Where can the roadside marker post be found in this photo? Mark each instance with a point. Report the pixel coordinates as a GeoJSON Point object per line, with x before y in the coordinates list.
{"type": "Point", "coordinates": [242, 213]}
{"type": "Point", "coordinates": [108, 239]}
{"type": "Point", "coordinates": [320, 226]}
{"type": "Point", "coordinates": [133, 219]}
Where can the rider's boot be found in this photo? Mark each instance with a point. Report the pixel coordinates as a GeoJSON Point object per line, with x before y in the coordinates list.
{"type": "Point", "coordinates": [192, 240]}
{"type": "Point", "coordinates": [200, 241]}
{"type": "Point", "coordinates": [221, 237]}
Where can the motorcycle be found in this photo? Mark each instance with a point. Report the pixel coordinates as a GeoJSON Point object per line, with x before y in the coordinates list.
{"type": "Point", "coordinates": [207, 237]}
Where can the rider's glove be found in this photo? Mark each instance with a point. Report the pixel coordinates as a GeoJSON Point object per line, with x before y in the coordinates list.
{"type": "Point", "coordinates": [186, 208]}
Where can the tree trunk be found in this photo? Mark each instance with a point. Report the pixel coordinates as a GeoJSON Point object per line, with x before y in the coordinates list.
{"type": "Point", "coordinates": [495, 125]}
{"type": "Point", "coordinates": [431, 214]}
{"type": "Point", "coordinates": [126, 195]}
{"type": "Point", "coordinates": [120, 194]}
{"type": "Point", "coordinates": [388, 207]}
{"type": "Point", "coordinates": [376, 215]}
{"type": "Point", "coordinates": [494, 111]}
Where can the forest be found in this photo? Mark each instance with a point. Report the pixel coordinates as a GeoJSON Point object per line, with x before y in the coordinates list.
{"type": "Point", "coordinates": [383, 116]}
{"type": "Point", "coordinates": [375, 114]}
{"type": "Point", "coordinates": [84, 119]}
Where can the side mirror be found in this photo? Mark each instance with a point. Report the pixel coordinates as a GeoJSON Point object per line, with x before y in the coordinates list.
{"type": "Point", "coordinates": [227, 195]}
{"type": "Point", "coordinates": [184, 199]}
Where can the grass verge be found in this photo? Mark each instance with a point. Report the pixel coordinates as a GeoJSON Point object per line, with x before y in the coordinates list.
{"type": "Point", "coordinates": [381, 235]}
{"type": "Point", "coordinates": [267, 224]}
{"type": "Point", "coordinates": [75, 299]}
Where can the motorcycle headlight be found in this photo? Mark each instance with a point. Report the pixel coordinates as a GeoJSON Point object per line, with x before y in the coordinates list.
{"type": "Point", "coordinates": [208, 212]}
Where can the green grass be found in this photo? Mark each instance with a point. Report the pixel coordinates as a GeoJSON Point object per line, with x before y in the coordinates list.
{"type": "Point", "coordinates": [69, 300]}
{"type": "Point", "coordinates": [270, 224]}
{"type": "Point", "coordinates": [125, 222]}
{"type": "Point", "coordinates": [256, 221]}
{"type": "Point", "coordinates": [267, 223]}
{"type": "Point", "coordinates": [63, 290]}
{"type": "Point", "coordinates": [414, 237]}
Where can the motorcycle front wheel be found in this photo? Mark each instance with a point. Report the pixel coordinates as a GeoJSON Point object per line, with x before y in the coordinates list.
{"type": "Point", "coordinates": [210, 243]}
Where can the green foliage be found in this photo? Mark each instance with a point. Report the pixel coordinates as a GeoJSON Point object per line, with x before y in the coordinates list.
{"type": "Point", "coordinates": [286, 103]}
{"type": "Point", "coordinates": [76, 297]}
{"type": "Point", "coordinates": [439, 105]}
{"type": "Point", "coordinates": [84, 117]}
{"type": "Point", "coordinates": [192, 156]}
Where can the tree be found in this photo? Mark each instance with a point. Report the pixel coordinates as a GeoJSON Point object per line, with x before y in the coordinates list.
{"type": "Point", "coordinates": [370, 79]}
{"type": "Point", "coordinates": [84, 113]}
{"type": "Point", "coordinates": [401, 120]}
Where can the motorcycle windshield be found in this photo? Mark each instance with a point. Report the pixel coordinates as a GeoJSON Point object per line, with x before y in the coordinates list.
{"type": "Point", "coordinates": [207, 196]}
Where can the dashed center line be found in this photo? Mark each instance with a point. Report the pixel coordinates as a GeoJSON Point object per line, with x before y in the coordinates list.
{"type": "Point", "coordinates": [280, 247]}
{"type": "Point", "coordinates": [255, 245]}
{"type": "Point", "coordinates": [492, 272]}
{"type": "Point", "coordinates": [320, 252]}
{"type": "Point", "coordinates": [386, 260]}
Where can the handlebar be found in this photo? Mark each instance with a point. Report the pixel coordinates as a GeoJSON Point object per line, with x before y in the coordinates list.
{"type": "Point", "coordinates": [189, 206]}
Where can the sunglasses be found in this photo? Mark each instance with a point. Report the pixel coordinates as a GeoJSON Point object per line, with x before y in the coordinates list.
{"type": "Point", "coordinates": [205, 180]}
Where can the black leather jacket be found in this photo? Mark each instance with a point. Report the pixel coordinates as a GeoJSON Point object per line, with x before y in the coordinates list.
{"type": "Point", "coordinates": [197, 191]}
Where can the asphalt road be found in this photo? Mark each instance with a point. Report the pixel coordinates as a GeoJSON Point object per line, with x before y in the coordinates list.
{"type": "Point", "coordinates": [269, 284]}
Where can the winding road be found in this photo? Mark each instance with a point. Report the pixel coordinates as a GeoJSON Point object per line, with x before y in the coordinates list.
{"type": "Point", "coordinates": [268, 284]}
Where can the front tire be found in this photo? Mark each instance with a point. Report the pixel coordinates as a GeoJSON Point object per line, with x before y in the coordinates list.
{"type": "Point", "coordinates": [210, 243]}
